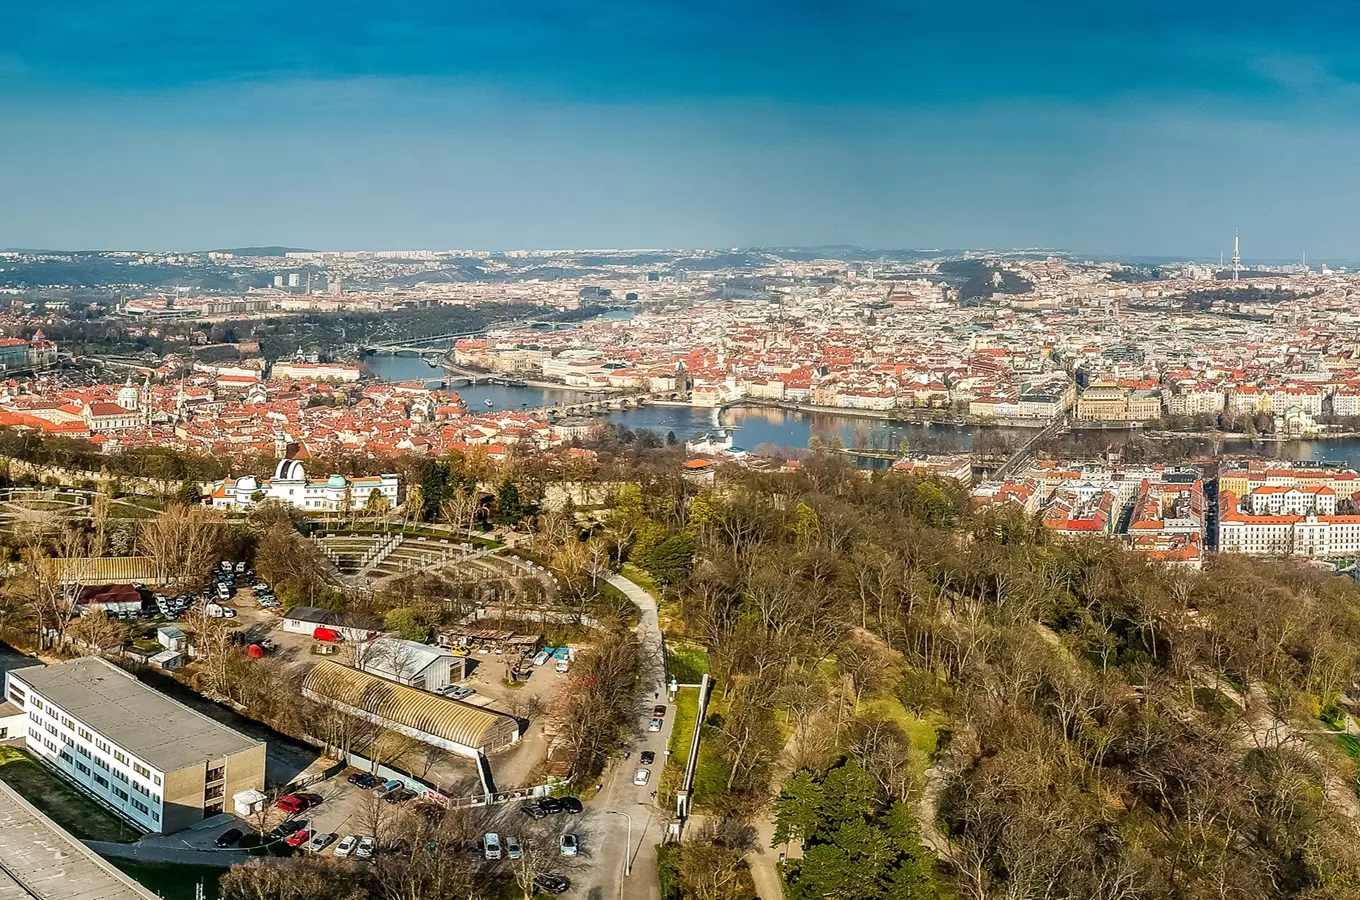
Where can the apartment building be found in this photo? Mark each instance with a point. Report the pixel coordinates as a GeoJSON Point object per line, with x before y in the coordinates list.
{"type": "Point", "coordinates": [152, 761]}
{"type": "Point", "coordinates": [1297, 528]}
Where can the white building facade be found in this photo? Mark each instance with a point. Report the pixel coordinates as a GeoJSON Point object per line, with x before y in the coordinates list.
{"type": "Point", "coordinates": [290, 484]}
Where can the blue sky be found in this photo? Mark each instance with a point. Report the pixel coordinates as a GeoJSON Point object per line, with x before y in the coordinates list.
{"type": "Point", "coordinates": [1134, 128]}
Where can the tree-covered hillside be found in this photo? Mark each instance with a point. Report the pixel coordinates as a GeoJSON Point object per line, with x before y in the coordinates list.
{"type": "Point", "coordinates": [945, 703]}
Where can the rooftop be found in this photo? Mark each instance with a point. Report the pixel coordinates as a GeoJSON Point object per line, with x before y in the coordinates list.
{"type": "Point", "coordinates": [162, 732]}
{"type": "Point", "coordinates": [43, 860]}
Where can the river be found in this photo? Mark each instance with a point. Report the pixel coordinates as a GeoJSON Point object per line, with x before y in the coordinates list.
{"type": "Point", "coordinates": [754, 427]}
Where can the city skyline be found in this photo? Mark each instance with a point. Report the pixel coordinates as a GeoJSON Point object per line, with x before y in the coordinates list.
{"type": "Point", "coordinates": [1109, 132]}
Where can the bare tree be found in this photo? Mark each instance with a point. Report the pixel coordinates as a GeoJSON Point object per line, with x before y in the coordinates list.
{"type": "Point", "coordinates": [184, 541]}
{"type": "Point", "coordinates": [96, 632]}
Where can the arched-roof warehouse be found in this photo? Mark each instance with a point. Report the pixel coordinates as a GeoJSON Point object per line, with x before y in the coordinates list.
{"type": "Point", "coordinates": [455, 726]}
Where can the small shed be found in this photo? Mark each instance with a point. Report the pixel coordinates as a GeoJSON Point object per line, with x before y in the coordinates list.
{"type": "Point", "coordinates": [248, 803]}
{"type": "Point", "coordinates": [170, 637]}
{"type": "Point", "coordinates": [169, 660]}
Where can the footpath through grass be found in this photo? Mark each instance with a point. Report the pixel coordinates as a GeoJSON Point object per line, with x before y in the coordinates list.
{"type": "Point", "coordinates": [59, 801]}
{"type": "Point", "coordinates": [171, 881]}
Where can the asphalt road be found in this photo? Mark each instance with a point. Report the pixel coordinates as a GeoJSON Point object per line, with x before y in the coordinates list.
{"type": "Point", "coordinates": [605, 824]}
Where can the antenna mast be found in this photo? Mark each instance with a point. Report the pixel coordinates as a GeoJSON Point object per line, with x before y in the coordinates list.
{"type": "Point", "coordinates": [1237, 256]}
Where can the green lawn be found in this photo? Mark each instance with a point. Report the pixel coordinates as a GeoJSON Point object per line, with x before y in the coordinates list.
{"type": "Point", "coordinates": [685, 663]}
{"type": "Point", "coordinates": [685, 710]}
{"type": "Point", "coordinates": [641, 578]}
{"type": "Point", "coordinates": [171, 880]}
{"type": "Point", "coordinates": [924, 732]}
{"type": "Point", "coordinates": [62, 803]}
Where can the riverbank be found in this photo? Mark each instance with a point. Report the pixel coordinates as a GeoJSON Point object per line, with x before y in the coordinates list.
{"type": "Point", "coordinates": [1240, 437]}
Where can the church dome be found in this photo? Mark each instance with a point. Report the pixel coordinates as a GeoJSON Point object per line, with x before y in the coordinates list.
{"type": "Point", "coordinates": [289, 470]}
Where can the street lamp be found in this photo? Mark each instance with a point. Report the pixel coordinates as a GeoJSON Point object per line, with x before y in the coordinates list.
{"type": "Point", "coordinates": [628, 852]}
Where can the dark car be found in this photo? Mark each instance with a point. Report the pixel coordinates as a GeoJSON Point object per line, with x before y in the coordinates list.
{"type": "Point", "coordinates": [550, 805]}
{"type": "Point", "coordinates": [571, 806]}
{"type": "Point", "coordinates": [647, 758]}
{"type": "Point", "coordinates": [283, 829]}
{"type": "Point", "coordinates": [552, 884]}
{"type": "Point", "coordinates": [364, 780]}
{"type": "Point", "coordinates": [400, 795]}
{"type": "Point", "coordinates": [229, 837]}
{"type": "Point", "coordinates": [534, 811]}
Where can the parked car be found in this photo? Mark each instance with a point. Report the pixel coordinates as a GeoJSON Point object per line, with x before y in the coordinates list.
{"type": "Point", "coordinates": [647, 758]}
{"type": "Point", "coordinates": [642, 776]}
{"type": "Point", "coordinates": [659, 711]}
{"type": "Point", "coordinates": [365, 848]}
{"type": "Point", "coordinates": [571, 806]}
{"type": "Point", "coordinates": [346, 846]}
{"type": "Point", "coordinates": [512, 846]}
{"type": "Point", "coordinates": [293, 804]}
{"type": "Point", "coordinates": [542, 657]}
{"type": "Point", "coordinates": [229, 837]}
{"type": "Point", "coordinates": [284, 829]}
{"type": "Point", "coordinates": [552, 884]}
{"type": "Point", "coordinates": [356, 777]}
{"type": "Point", "coordinates": [654, 725]}
{"type": "Point", "coordinates": [550, 805]}
{"type": "Point", "coordinates": [388, 787]}
{"type": "Point", "coordinates": [562, 666]}
{"type": "Point", "coordinates": [299, 837]}
{"type": "Point", "coordinates": [570, 845]}
{"type": "Point", "coordinates": [491, 845]}
{"type": "Point", "coordinates": [400, 795]}
{"type": "Point", "coordinates": [319, 841]}
{"type": "Point", "coordinates": [534, 811]}
{"type": "Point", "coordinates": [367, 781]}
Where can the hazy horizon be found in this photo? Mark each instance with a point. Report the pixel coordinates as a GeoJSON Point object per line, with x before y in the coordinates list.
{"type": "Point", "coordinates": [1147, 130]}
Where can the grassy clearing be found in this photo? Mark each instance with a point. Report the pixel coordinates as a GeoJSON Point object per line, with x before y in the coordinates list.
{"type": "Point", "coordinates": [62, 803]}
{"type": "Point", "coordinates": [685, 710]}
{"type": "Point", "coordinates": [686, 663]}
{"type": "Point", "coordinates": [171, 880]}
{"type": "Point", "coordinates": [924, 731]}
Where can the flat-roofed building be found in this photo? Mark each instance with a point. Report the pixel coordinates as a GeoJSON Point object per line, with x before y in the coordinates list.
{"type": "Point", "coordinates": [151, 760]}
{"type": "Point", "coordinates": [42, 859]}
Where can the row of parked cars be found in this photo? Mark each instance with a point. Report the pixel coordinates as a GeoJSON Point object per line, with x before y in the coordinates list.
{"type": "Point", "coordinates": [389, 791]}
{"type": "Point", "coordinates": [493, 847]}
{"type": "Point", "coordinates": [551, 806]}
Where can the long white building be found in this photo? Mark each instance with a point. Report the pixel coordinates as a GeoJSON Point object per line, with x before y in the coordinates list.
{"type": "Point", "coordinates": [152, 761]}
{"type": "Point", "coordinates": [290, 484]}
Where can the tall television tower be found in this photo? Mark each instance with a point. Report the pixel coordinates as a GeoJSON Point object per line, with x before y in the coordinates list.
{"type": "Point", "coordinates": [1237, 256]}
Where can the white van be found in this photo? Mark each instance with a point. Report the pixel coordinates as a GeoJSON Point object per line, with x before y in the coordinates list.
{"type": "Point", "coordinates": [542, 657]}
{"type": "Point", "coordinates": [562, 666]}
{"type": "Point", "coordinates": [491, 845]}
{"type": "Point", "coordinates": [218, 611]}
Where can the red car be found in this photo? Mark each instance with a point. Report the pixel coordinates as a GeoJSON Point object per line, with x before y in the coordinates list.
{"type": "Point", "coordinates": [299, 838]}
{"type": "Point", "coordinates": [293, 804]}
{"type": "Point", "coordinates": [658, 712]}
